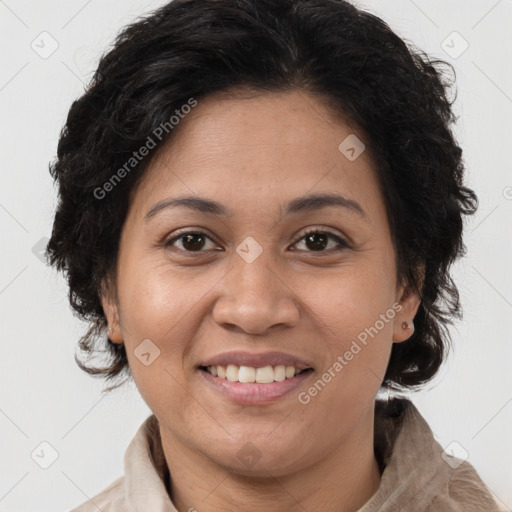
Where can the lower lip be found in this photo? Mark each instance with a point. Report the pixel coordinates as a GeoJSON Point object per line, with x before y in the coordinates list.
{"type": "Point", "coordinates": [254, 393]}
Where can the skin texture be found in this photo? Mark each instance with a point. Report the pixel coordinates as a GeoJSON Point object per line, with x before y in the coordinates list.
{"type": "Point", "coordinates": [253, 155]}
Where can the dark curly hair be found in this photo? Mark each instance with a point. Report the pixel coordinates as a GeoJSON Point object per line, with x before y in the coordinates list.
{"type": "Point", "coordinates": [395, 94]}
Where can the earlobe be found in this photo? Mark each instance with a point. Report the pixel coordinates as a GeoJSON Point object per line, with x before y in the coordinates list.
{"type": "Point", "coordinates": [112, 316]}
{"type": "Point", "coordinates": [114, 330]}
{"type": "Point", "coordinates": [114, 334]}
{"type": "Point", "coordinates": [410, 300]}
{"type": "Point", "coordinates": [404, 322]}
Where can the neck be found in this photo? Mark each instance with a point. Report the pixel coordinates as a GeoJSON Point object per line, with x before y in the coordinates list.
{"type": "Point", "coordinates": [341, 481]}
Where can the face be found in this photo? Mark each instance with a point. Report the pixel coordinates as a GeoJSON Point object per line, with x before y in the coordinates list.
{"type": "Point", "coordinates": [273, 280]}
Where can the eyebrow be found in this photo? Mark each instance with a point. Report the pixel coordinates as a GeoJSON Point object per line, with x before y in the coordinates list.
{"type": "Point", "coordinates": [301, 204]}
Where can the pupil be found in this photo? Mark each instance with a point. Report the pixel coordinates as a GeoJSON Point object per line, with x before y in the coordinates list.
{"type": "Point", "coordinates": [190, 245]}
{"type": "Point", "coordinates": [316, 246]}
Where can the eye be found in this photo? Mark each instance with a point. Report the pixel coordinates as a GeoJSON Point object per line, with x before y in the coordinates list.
{"type": "Point", "coordinates": [315, 240]}
{"type": "Point", "coordinates": [191, 241]}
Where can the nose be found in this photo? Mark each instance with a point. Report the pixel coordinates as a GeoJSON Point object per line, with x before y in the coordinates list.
{"type": "Point", "coordinates": [254, 297]}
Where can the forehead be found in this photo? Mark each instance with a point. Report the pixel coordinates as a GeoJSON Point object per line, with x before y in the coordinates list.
{"type": "Point", "coordinates": [265, 146]}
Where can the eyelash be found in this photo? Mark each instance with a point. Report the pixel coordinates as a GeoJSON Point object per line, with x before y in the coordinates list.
{"type": "Point", "coordinates": [330, 234]}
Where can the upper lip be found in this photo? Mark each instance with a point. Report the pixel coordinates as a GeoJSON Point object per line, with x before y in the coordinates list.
{"type": "Point", "coordinates": [241, 358]}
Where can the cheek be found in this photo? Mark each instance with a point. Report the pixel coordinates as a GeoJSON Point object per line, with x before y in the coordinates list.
{"type": "Point", "coordinates": [150, 313]}
{"type": "Point", "coordinates": [349, 329]}
{"type": "Point", "coordinates": [161, 311]}
{"type": "Point", "coordinates": [354, 315]}
{"type": "Point", "coordinates": [156, 300]}
{"type": "Point", "coordinates": [350, 300]}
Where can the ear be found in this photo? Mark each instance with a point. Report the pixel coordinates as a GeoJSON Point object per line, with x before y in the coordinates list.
{"type": "Point", "coordinates": [110, 306]}
{"type": "Point", "coordinates": [409, 301]}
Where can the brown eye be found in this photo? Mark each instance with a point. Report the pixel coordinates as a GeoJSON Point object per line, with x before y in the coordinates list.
{"type": "Point", "coordinates": [191, 241]}
{"type": "Point", "coordinates": [318, 241]}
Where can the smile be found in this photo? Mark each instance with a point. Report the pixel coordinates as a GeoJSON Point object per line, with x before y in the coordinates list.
{"type": "Point", "coordinates": [249, 374]}
{"type": "Point", "coordinates": [252, 386]}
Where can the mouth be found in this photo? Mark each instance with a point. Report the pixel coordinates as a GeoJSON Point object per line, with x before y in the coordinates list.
{"type": "Point", "coordinates": [249, 378]}
{"type": "Point", "coordinates": [250, 375]}
{"type": "Point", "coordinates": [254, 386]}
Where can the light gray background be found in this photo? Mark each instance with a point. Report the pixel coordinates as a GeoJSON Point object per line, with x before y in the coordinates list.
{"type": "Point", "coordinates": [45, 397]}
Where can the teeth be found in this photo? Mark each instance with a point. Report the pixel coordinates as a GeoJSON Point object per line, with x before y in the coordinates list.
{"type": "Point", "coordinates": [289, 372]}
{"type": "Point", "coordinates": [246, 374]}
{"type": "Point", "coordinates": [263, 375]}
{"type": "Point", "coordinates": [280, 372]}
{"type": "Point", "coordinates": [232, 372]}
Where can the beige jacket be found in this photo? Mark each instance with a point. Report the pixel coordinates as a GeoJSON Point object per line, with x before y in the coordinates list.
{"type": "Point", "coordinates": [415, 476]}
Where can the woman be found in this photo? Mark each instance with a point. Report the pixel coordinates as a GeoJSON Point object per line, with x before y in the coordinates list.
{"type": "Point", "coordinates": [260, 202]}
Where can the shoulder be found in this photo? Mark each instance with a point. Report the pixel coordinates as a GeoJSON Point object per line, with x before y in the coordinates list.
{"type": "Point", "coordinates": [417, 469]}
{"type": "Point", "coordinates": [465, 491]}
{"type": "Point", "coordinates": [110, 499]}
